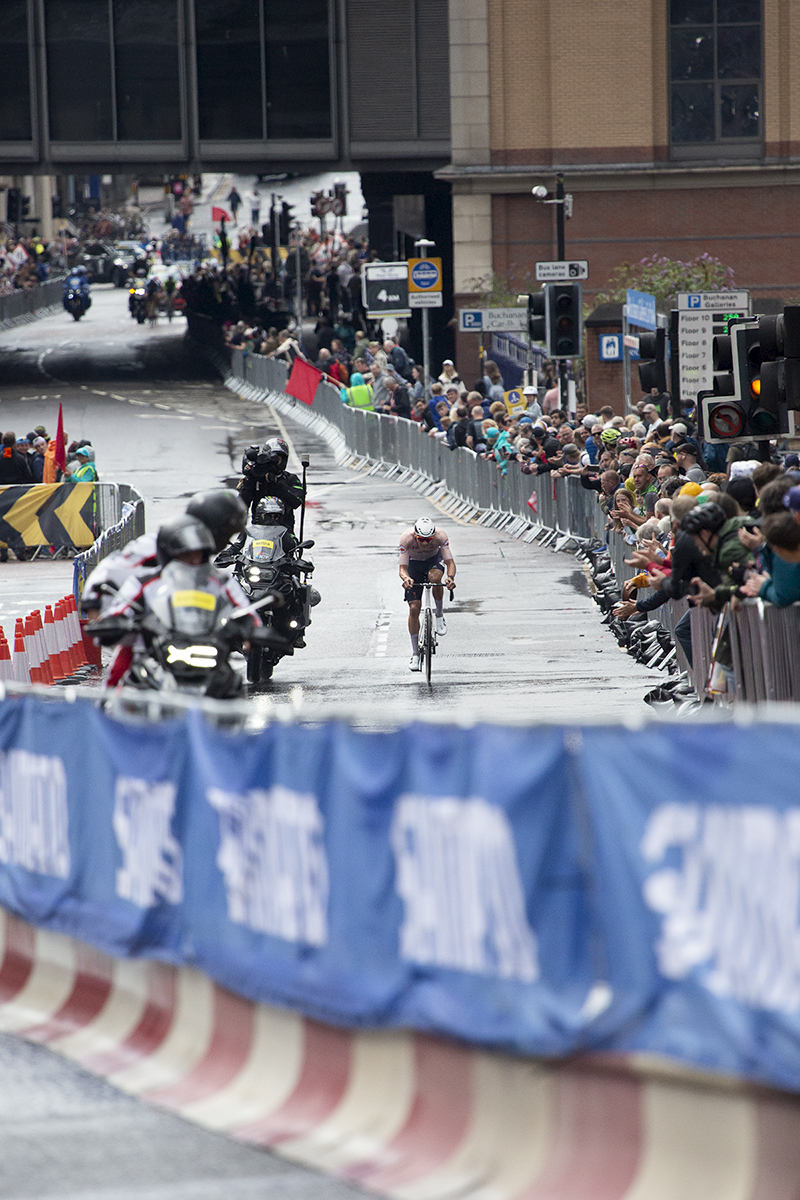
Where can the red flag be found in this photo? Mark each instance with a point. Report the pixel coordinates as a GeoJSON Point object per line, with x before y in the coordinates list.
{"type": "Point", "coordinates": [533, 502]}
{"type": "Point", "coordinates": [61, 445]}
{"type": "Point", "coordinates": [303, 381]}
{"type": "Point", "coordinates": [219, 214]}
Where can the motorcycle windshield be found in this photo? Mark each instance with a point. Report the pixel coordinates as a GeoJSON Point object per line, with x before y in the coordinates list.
{"type": "Point", "coordinates": [264, 543]}
{"type": "Point", "coordinates": [192, 597]}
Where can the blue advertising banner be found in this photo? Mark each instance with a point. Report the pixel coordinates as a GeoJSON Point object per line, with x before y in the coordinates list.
{"type": "Point", "coordinates": [547, 891]}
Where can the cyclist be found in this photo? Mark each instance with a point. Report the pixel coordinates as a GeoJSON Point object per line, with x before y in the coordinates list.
{"type": "Point", "coordinates": [424, 554]}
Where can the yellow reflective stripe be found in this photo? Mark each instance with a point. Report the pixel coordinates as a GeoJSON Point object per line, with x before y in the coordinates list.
{"type": "Point", "coordinates": [205, 600]}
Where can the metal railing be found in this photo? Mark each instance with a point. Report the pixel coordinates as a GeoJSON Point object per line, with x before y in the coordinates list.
{"type": "Point", "coordinates": [128, 523]}
{"type": "Point", "coordinates": [27, 304]}
{"type": "Point", "coordinates": [765, 640]}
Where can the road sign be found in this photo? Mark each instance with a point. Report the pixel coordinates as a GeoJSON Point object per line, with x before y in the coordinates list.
{"type": "Point", "coordinates": [561, 272]}
{"type": "Point", "coordinates": [610, 346]}
{"type": "Point", "coordinates": [714, 302]}
{"type": "Point", "coordinates": [425, 300]}
{"type": "Point", "coordinates": [492, 320]}
{"type": "Point", "coordinates": [424, 275]}
{"type": "Point", "coordinates": [697, 329]}
{"type": "Point", "coordinates": [515, 402]}
{"type": "Point", "coordinates": [384, 289]}
{"type": "Point", "coordinates": [640, 308]}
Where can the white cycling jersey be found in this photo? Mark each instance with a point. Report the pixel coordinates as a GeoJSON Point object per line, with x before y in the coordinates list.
{"type": "Point", "coordinates": [413, 550]}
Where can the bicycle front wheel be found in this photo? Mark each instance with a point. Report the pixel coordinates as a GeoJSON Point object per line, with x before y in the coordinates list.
{"type": "Point", "coordinates": [427, 643]}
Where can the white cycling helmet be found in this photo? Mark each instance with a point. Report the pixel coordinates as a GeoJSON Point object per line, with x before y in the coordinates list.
{"type": "Point", "coordinates": [425, 528]}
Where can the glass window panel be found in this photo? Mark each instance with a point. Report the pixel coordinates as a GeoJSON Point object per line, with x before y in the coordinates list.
{"type": "Point", "coordinates": [229, 94]}
{"type": "Point", "coordinates": [15, 91]}
{"type": "Point", "coordinates": [739, 52]}
{"type": "Point", "coordinates": [298, 69]}
{"type": "Point", "coordinates": [691, 12]}
{"type": "Point", "coordinates": [738, 10]}
{"type": "Point", "coordinates": [739, 110]}
{"type": "Point", "coordinates": [79, 70]}
{"type": "Point", "coordinates": [692, 53]}
{"type": "Point", "coordinates": [147, 70]}
{"type": "Point", "coordinates": [693, 112]}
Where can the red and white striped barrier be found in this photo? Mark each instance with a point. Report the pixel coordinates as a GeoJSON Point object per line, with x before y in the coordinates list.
{"type": "Point", "coordinates": [401, 1114]}
{"type": "Point", "coordinates": [45, 650]}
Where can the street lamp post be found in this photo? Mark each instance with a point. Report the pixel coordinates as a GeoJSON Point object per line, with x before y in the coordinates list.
{"type": "Point", "coordinates": [563, 205]}
{"type": "Point", "coordinates": [423, 247]}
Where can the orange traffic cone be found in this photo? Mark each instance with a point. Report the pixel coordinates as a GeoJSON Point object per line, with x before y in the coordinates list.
{"type": "Point", "coordinates": [44, 653]}
{"type": "Point", "coordinates": [54, 656]}
{"type": "Point", "coordinates": [62, 640]}
{"type": "Point", "coordinates": [74, 626]}
{"type": "Point", "coordinates": [19, 662]}
{"type": "Point", "coordinates": [32, 650]}
{"type": "Point", "coordinates": [6, 669]}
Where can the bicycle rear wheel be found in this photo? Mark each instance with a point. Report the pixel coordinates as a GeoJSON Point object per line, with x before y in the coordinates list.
{"type": "Point", "coordinates": [426, 643]}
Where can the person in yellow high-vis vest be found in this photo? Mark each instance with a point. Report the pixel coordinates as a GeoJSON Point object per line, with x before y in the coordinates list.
{"type": "Point", "coordinates": [359, 394]}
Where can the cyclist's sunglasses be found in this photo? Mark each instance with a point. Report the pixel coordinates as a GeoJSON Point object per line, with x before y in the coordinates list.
{"type": "Point", "coordinates": [420, 538]}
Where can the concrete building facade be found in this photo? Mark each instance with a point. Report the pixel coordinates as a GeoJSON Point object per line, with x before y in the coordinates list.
{"type": "Point", "coordinates": [675, 122]}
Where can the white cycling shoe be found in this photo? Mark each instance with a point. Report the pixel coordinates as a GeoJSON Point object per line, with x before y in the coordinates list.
{"type": "Point", "coordinates": [441, 626]}
{"type": "Point", "coordinates": [414, 663]}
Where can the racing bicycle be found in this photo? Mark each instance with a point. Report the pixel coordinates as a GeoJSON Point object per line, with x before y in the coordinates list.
{"type": "Point", "coordinates": [428, 639]}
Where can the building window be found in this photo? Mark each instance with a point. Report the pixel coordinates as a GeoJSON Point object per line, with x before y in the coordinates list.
{"type": "Point", "coordinates": [113, 71]}
{"type": "Point", "coordinates": [263, 69]}
{"type": "Point", "coordinates": [15, 85]}
{"type": "Point", "coordinates": [715, 73]}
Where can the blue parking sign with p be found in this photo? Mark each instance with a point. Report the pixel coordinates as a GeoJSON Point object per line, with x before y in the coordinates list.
{"type": "Point", "coordinates": [695, 300]}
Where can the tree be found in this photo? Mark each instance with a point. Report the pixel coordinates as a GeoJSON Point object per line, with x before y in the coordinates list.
{"type": "Point", "coordinates": [665, 277]}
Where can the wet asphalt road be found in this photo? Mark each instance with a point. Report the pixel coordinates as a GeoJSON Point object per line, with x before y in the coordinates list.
{"type": "Point", "coordinates": [524, 643]}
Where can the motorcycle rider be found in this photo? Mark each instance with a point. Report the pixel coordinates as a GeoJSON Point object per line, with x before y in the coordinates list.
{"type": "Point", "coordinates": [188, 541]}
{"type": "Point", "coordinates": [77, 281]}
{"type": "Point", "coordinates": [264, 474]}
{"type": "Point", "coordinates": [220, 510]}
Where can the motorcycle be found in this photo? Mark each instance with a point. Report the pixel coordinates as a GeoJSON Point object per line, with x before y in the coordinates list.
{"type": "Point", "coordinates": [268, 563]}
{"type": "Point", "coordinates": [76, 302]}
{"type": "Point", "coordinates": [189, 629]}
{"type": "Point", "coordinates": [137, 300]}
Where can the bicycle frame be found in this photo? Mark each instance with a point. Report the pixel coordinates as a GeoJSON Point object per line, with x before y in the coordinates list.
{"type": "Point", "coordinates": [427, 632]}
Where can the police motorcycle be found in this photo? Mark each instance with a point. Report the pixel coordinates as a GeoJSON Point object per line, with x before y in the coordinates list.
{"type": "Point", "coordinates": [76, 298]}
{"type": "Point", "coordinates": [137, 292]}
{"type": "Point", "coordinates": [185, 623]}
{"type": "Point", "coordinates": [268, 561]}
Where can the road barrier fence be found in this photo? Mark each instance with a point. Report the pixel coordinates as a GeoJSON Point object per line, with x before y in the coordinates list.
{"type": "Point", "coordinates": [764, 639]}
{"type": "Point", "coordinates": [28, 304]}
{"type": "Point", "coordinates": [122, 518]}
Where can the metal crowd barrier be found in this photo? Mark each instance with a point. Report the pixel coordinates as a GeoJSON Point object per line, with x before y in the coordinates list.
{"type": "Point", "coordinates": [128, 523]}
{"type": "Point", "coordinates": [765, 640]}
{"type": "Point", "coordinates": [26, 304]}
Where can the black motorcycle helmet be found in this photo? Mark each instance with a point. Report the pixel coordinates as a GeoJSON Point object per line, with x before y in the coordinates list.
{"type": "Point", "coordinates": [706, 516]}
{"type": "Point", "coordinates": [268, 511]}
{"type": "Point", "coordinates": [222, 511]}
{"type": "Point", "coordinates": [274, 455]}
{"type": "Point", "coordinates": [182, 535]}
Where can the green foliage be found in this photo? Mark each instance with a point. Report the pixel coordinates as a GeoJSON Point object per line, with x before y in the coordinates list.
{"type": "Point", "coordinates": [499, 291]}
{"type": "Point", "coordinates": [665, 277]}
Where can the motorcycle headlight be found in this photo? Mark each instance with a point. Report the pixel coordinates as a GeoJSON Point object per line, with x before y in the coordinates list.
{"type": "Point", "coordinates": [254, 573]}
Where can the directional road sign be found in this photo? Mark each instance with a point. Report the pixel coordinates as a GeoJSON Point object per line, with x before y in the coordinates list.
{"type": "Point", "coordinates": [384, 289]}
{"type": "Point", "coordinates": [492, 320]}
{"type": "Point", "coordinates": [640, 308]}
{"type": "Point", "coordinates": [559, 272]}
{"type": "Point", "coordinates": [714, 302]}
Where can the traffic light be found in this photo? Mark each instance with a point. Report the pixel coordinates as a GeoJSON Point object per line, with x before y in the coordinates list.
{"type": "Point", "coordinates": [756, 380]}
{"type": "Point", "coordinates": [12, 205]}
{"type": "Point", "coordinates": [24, 207]}
{"type": "Point", "coordinates": [339, 206]}
{"type": "Point", "coordinates": [653, 361]}
{"type": "Point", "coordinates": [285, 219]}
{"type": "Point", "coordinates": [537, 322]}
{"type": "Point", "coordinates": [564, 320]}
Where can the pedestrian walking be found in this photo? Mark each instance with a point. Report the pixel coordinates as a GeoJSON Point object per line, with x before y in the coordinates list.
{"type": "Point", "coordinates": [254, 200]}
{"type": "Point", "coordinates": [235, 201]}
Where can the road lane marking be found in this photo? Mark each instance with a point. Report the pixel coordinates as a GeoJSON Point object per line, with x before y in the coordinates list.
{"type": "Point", "coordinates": [294, 462]}
{"type": "Point", "coordinates": [382, 634]}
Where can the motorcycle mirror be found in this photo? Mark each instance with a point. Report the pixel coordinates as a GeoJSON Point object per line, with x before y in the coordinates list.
{"type": "Point", "coordinates": [306, 545]}
{"type": "Point", "coordinates": [305, 460]}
